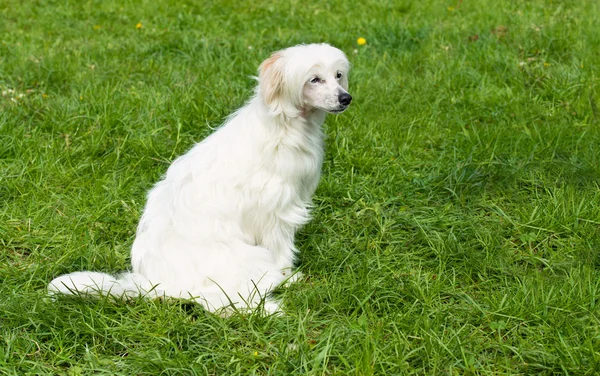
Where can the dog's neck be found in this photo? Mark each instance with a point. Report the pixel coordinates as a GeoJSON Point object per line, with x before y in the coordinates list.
{"type": "Point", "coordinates": [306, 123]}
{"type": "Point", "coordinates": [313, 116]}
{"type": "Point", "coordinates": [309, 119]}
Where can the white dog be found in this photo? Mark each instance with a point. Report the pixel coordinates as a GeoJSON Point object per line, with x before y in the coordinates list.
{"type": "Point", "coordinates": [220, 227]}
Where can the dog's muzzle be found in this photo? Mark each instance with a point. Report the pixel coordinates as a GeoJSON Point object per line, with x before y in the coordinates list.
{"type": "Point", "coordinates": [345, 99]}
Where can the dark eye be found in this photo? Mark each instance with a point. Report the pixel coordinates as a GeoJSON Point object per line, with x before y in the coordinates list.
{"type": "Point", "coordinates": [314, 80]}
{"type": "Point", "coordinates": [338, 75]}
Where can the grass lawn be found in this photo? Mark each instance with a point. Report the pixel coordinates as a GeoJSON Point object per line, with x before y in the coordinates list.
{"type": "Point", "coordinates": [456, 227]}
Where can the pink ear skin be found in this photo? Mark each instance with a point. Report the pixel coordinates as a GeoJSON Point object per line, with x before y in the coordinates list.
{"type": "Point", "coordinates": [270, 75]}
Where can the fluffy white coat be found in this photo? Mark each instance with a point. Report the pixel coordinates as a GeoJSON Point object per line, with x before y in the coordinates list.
{"type": "Point", "coordinates": [220, 227]}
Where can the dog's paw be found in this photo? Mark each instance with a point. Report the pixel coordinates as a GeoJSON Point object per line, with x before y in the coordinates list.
{"type": "Point", "coordinates": [291, 276]}
{"type": "Point", "coordinates": [272, 307]}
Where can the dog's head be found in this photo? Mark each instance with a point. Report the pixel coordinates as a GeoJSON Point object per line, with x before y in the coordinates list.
{"type": "Point", "coordinates": [303, 78]}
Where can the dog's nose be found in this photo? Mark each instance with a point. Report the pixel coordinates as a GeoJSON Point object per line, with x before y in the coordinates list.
{"type": "Point", "coordinates": [345, 99]}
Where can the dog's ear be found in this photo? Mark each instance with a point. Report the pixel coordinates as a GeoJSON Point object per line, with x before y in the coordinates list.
{"type": "Point", "coordinates": [270, 78]}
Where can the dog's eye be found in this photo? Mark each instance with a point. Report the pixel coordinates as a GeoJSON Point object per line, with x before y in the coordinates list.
{"type": "Point", "coordinates": [315, 80]}
{"type": "Point", "coordinates": [339, 75]}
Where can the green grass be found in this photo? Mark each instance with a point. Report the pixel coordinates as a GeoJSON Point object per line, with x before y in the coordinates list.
{"type": "Point", "coordinates": [457, 222]}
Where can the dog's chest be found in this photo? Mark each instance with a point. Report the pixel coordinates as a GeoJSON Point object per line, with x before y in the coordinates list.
{"type": "Point", "coordinates": [283, 189]}
{"type": "Point", "coordinates": [300, 168]}
{"type": "Point", "coordinates": [298, 158]}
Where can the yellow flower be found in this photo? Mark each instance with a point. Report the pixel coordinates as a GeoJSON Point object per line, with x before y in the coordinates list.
{"type": "Point", "coordinates": [361, 41]}
{"type": "Point", "coordinates": [138, 25]}
{"type": "Point", "coordinates": [96, 27]}
{"type": "Point", "coordinates": [546, 64]}
{"type": "Point", "coordinates": [256, 353]}
{"type": "Point", "coordinates": [450, 9]}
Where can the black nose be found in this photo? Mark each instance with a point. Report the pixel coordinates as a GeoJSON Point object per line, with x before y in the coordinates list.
{"type": "Point", "coordinates": [345, 99]}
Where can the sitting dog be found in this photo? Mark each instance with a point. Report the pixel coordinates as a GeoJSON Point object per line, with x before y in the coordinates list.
{"type": "Point", "coordinates": [220, 227]}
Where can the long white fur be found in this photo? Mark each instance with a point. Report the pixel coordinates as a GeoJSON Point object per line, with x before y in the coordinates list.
{"type": "Point", "coordinates": [220, 227]}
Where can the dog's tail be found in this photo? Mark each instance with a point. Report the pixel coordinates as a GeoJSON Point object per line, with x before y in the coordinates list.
{"type": "Point", "coordinates": [94, 284]}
